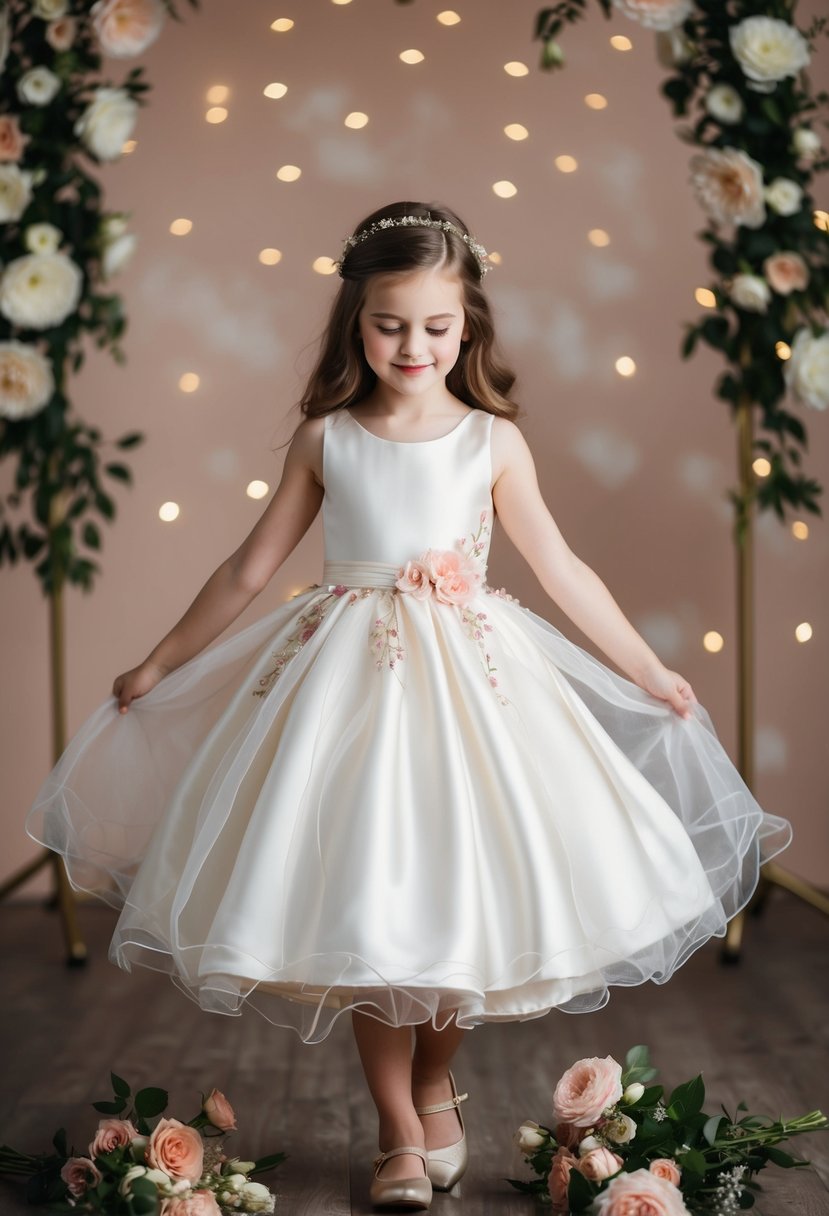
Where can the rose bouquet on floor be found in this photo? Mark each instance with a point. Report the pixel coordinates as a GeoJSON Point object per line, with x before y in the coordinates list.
{"type": "Point", "coordinates": [131, 1169]}
{"type": "Point", "coordinates": [618, 1148]}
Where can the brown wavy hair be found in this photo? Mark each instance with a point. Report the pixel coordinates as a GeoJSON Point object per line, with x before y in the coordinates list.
{"type": "Point", "coordinates": [342, 376]}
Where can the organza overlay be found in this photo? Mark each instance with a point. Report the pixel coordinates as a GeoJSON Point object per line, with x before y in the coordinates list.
{"type": "Point", "coordinates": [369, 799]}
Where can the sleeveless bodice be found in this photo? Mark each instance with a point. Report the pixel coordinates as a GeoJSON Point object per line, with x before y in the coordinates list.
{"type": "Point", "coordinates": [387, 501]}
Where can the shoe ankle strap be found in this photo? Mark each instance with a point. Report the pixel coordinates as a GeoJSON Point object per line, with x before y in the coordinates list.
{"type": "Point", "coordinates": [436, 1106]}
{"type": "Point", "coordinates": [394, 1152]}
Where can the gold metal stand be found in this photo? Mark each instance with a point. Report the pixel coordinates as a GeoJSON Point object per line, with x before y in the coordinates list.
{"type": "Point", "coordinates": [771, 874]}
{"type": "Point", "coordinates": [63, 896]}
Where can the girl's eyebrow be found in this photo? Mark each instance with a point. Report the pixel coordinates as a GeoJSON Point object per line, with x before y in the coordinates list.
{"type": "Point", "coordinates": [394, 317]}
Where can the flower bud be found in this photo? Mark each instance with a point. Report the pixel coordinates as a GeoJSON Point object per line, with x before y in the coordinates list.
{"type": "Point", "coordinates": [633, 1092]}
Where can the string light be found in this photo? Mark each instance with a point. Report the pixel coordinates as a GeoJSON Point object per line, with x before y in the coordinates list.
{"type": "Point", "coordinates": [504, 189]}
{"type": "Point", "coordinates": [289, 173]}
{"type": "Point", "coordinates": [713, 642]}
{"type": "Point", "coordinates": [566, 164]}
{"type": "Point", "coordinates": [324, 265]}
{"type": "Point", "coordinates": [621, 42]}
{"type": "Point", "coordinates": [514, 130]}
{"type": "Point", "coordinates": [448, 17]}
{"type": "Point", "coordinates": [217, 94]}
{"type": "Point", "coordinates": [129, 146]}
{"type": "Point", "coordinates": [625, 366]}
{"type": "Point", "coordinates": [803, 632]}
{"type": "Point", "coordinates": [257, 489]}
{"type": "Point", "coordinates": [269, 257]}
{"type": "Point", "coordinates": [761, 466]}
{"type": "Point", "coordinates": [356, 120]}
{"type": "Point", "coordinates": [595, 101]}
{"type": "Point", "coordinates": [181, 227]}
{"type": "Point", "coordinates": [275, 89]}
{"type": "Point", "coordinates": [705, 298]}
{"type": "Point", "coordinates": [412, 56]}
{"type": "Point", "coordinates": [783, 350]}
{"type": "Point", "coordinates": [216, 114]}
{"type": "Point", "coordinates": [800, 530]}
{"type": "Point", "coordinates": [189, 382]}
{"type": "Point", "coordinates": [282, 25]}
{"type": "Point", "coordinates": [516, 68]}
{"type": "Point", "coordinates": [168, 511]}
{"type": "Point", "coordinates": [598, 237]}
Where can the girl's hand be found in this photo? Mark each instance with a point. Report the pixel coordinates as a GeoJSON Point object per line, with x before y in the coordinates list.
{"type": "Point", "coordinates": [135, 683]}
{"type": "Point", "coordinates": [669, 686]}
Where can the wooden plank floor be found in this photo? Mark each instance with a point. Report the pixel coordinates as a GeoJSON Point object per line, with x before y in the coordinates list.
{"type": "Point", "coordinates": [758, 1030]}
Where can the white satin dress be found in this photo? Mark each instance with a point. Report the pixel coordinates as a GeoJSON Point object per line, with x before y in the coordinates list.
{"type": "Point", "coordinates": [372, 799]}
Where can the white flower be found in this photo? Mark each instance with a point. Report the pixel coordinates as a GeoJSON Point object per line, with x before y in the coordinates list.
{"type": "Point", "coordinates": [117, 253]}
{"type": "Point", "coordinates": [257, 1198]}
{"type": "Point", "coordinates": [750, 291]}
{"type": "Point", "coordinates": [107, 123]}
{"type": "Point", "coordinates": [529, 1137]}
{"type": "Point", "coordinates": [784, 196]}
{"type": "Point", "coordinates": [113, 225]}
{"type": "Point", "coordinates": [26, 380]}
{"type": "Point", "coordinates": [40, 290]}
{"type": "Point", "coordinates": [728, 185]}
{"type": "Point", "coordinates": [49, 10]}
{"type": "Point", "coordinates": [235, 1166]}
{"type": "Point", "coordinates": [620, 1130]}
{"type": "Point", "coordinates": [42, 238]}
{"type": "Point", "coordinates": [138, 1147]}
{"type": "Point", "coordinates": [725, 103]}
{"type": "Point", "coordinates": [38, 86]}
{"type": "Point", "coordinates": [806, 371]}
{"type": "Point", "coordinates": [768, 49]}
{"type": "Point", "coordinates": [656, 14]}
{"type": "Point", "coordinates": [235, 1182]}
{"type": "Point", "coordinates": [587, 1144]}
{"type": "Point", "coordinates": [673, 47]}
{"type": "Point", "coordinates": [15, 192]}
{"type": "Point", "coordinates": [135, 1171]}
{"type": "Point", "coordinates": [127, 27]}
{"type": "Point", "coordinates": [158, 1177]}
{"type": "Point", "coordinates": [806, 143]}
{"type": "Point", "coordinates": [633, 1092]}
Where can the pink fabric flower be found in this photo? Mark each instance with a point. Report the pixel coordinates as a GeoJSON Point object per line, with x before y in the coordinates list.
{"type": "Point", "coordinates": [639, 1193]}
{"type": "Point", "coordinates": [414, 579]}
{"type": "Point", "coordinates": [599, 1163]}
{"type": "Point", "coordinates": [12, 139]}
{"type": "Point", "coordinates": [126, 27]}
{"type": "Point", "coordinates": [177, 1149]}
{"type": "Point", "coordinates": [586, 1089]}
{"type": "Point", "coordinates": [667, 1168]}
{"type": "Point", "coordinates": [786, 272]}
{"type": "Point", "coordinates": [219, 1111]}
{"type": "Point", "coordinates": [558, 1178]}
{"type": "Point", "coordinates": [79, 1173]}
{"type": "Point", "coordinates": [111, 1133]}
{"type": "Point", "coordinates": [197, 1203]}
{"type": "Point", "coordinates": [60, 33]}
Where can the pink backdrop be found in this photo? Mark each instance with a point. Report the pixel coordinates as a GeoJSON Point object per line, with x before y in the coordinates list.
{"type": "Point", "coordinates": [634, 470]}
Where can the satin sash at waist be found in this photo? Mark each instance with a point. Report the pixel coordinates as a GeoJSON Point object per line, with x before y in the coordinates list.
{"type": "Point", "coordinates": [359, 574]}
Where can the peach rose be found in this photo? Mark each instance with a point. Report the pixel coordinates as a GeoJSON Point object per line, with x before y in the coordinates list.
{"type": "Point", "coordinates": [177, 1149]}
{"type": "Point", "coordinates": [639, 1193]}
{"type": "Point", "coordinates": [197, 1203]}
{"type": "Point", "coordinates": [728, 185]}
{"type": "Point", "coordinates": [79, 1173]}
{"type": "Point", "coordinates": [558, 1178]}
{"type": "Point", "coordinates": [219, 1111]}
{"type": "Point", "coordinates": [599, 1164]}
{"type": "Point", "coordinates": [414, 579]}
{"type": "Point", "coordinates": [667, 1168]}
{"type": "Point", "coordinates": [786, 271]}
{"type": "Point", "coordinates": [126, 27]}
{"type": "Point", "coordinates": [12, 139]}
{"type": "Point", "coordinates": [60, 34]}
{"type": "Point", "coordinates": [656, 14]}
{"type": "Point", "coordinates": [455, 576]}
{"type": "Point", "coordinates": [586, 1089]}
{"type": "Point", "coordinates": [111, 1133]}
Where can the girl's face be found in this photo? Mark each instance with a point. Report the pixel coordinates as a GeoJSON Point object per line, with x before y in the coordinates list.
{"type": "Point", "coordinates": [414, 320]}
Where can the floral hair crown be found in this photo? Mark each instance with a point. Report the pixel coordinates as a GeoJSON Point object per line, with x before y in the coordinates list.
{"type": "Point", "coordinates": [419, 221]}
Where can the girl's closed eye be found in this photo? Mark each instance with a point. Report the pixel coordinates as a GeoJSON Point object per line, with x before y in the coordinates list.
{"type": "Point", "coordinates": [436, 333]}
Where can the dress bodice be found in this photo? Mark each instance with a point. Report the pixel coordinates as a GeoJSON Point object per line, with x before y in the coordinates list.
{"type": "Point", "coordinates": [387, 501]}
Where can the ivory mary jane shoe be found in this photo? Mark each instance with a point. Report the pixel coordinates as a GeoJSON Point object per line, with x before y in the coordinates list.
{"type": "Point", "coordinates": [447, 1165]}
{"type": "Point", "coordinates": [401, 1192]}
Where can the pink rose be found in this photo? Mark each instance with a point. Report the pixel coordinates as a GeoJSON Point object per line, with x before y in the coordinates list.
{"type": "Point", "coordinates": [197, 1203]}
{"type": "Point", "coordinates": [126, 27]}
{"type": "Point", "coordinates": [599, 1163]}
{"type": "Point", "coordinates": [586, 1089]}
{"type": "Point", "coordinates": [177, 1149]}
{"type": "Point", "coordinates": [454, 575]}
{"type": "Point", "coordinates": [219, 1111]}
{"type": "Point", "coordinates": [667, 1168]}
{"type": "Point", "coordinates": [414, 579]}
{"type": "Point", "coordinates": [79, 1173]}
{"type": "Point", "coordinates": [786, 272]}
{"type": "Point", "coordinates": [111, 1133]}
{"type": "Point", "coordinates": [558, 1178]}
{"type": "Point", "coordinates": [639, 1193]}
{"type": "Point", "coordinates": [12, 139]}
{"type": "Point", "coordinates": [60, 34]}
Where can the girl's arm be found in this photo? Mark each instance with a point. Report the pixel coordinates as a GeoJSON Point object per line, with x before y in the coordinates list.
{"type": "Point", "coordinates": [245, 573]}
{"type": "Point", "coordinates": [572, 584]}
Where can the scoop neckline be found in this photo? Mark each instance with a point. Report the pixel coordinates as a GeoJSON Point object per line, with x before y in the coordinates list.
{"type": "Point", "coordinates": [405, 443]}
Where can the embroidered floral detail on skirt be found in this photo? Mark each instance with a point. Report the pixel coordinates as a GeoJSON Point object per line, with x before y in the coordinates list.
{"type": "Point", "coordinates": [307, 625]}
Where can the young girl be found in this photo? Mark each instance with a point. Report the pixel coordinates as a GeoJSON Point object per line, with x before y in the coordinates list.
{"type": "Point", "coordinates": [402, 794]}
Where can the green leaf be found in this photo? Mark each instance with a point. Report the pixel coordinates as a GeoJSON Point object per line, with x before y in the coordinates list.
{"type": "Point", "coordinates": [92, 537]}
{"type": "Point", "coordinates": [121, 471]}
{"type": "Point", "coordinates": [130, 440]}
{"type": "Point", "coordinates": [151, 1101]}
{"type": "Point", "coordinates": [119, 1085]}
{"type": "Point", "coordinates": [687, 1099]}
{"type": "Point", "coordinates": [110, 1108]}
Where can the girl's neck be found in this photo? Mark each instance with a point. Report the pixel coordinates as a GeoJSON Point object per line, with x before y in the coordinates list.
{"type": "Point", "coordinates": [411, 410]}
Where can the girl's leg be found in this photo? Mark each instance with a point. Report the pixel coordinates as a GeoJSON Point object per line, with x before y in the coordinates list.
{"type": "Point", "coordinates": [386, 1055]}
{"type": "Point", "coordinates": [433, 1053]}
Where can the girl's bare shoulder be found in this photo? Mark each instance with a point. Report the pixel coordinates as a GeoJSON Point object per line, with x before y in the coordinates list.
{"type": "Point", "coordinates": [307, 445]}
{"type": "Point", "coordinates": [509, 448]}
